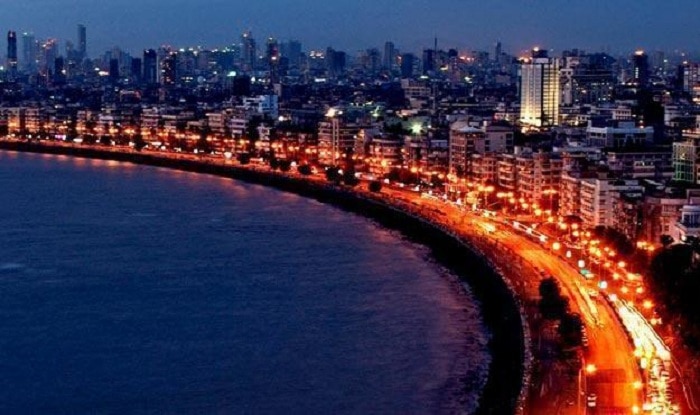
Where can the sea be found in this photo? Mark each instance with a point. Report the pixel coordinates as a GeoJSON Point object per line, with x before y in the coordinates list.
{"type": "Point", "coordinates": [128, 289]}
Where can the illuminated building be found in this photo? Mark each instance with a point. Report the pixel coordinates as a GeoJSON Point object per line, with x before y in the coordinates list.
{"type": "Point", "coordinates": [640, 68]}
{"type": "Point", "coordinates": [616, 133]}
{"type": "Point", "coordinates": [47, 58]}
{"type": "Point", "coordinates": [466, 140]}
{"type": "Point", "coordinates": [597, 199]}
{"type": "Point", "coordinates": [12, 53]}
{"type": "Point", "coordinates": [539, 90]}
{"type": "Point", "coordinates": [337, 134]}
{"type": "Point", "coordinates": [463, 139]}
{"type": "Point", "coordinates": [685, 160]}
{"type": "Point", "coordinates": [150, 67]}
{"type": "Point", "coordinates": [29, 52]}
{"type": "Point", "coordinates": [59, 71]}
{"type": "Point", "coordinates": [249, 51]}
{"type": "Point", "coordinates": [385, 153]}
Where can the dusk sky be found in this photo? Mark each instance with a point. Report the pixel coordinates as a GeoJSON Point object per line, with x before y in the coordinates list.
{"type": "Point", "coordinates": [351, 25]}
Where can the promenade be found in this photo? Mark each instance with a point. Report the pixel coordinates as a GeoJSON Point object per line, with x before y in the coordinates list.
{"type": "Point", "coordinates": [616, 381]}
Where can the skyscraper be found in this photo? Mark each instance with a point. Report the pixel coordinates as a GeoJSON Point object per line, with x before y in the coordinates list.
{"type": "Point", "coordinates": [292, 51]}
{"type": "Point", "coordinates": [428, 61]}
{"type": "Point", "coordinates": [249, 51]}
{"type": "Point", "coordinates": [640, 68]}
{"type": "Point", "coordinates": [168, 69]}
{"type": "Point", "coordinates": [59, 71]}
{"type": "Point", "coordinates": [29, 52]}
{"type": "Point", "coordinates": [12, 52]}
{"type": "Point", "coordinates": [82, 42]}
{"type": "Point", "coordinates": [150, 67]}
{"type": "Point", "coordinates": [47, 58]}
{"type": "Point", "coordinates": [389, 55]}
{"type": "Point", "coordinates": [539, 90]}
{"type": "Point", "coordinates": [136, 70]}
{"type": "Point", "coordinates": [407, 62]}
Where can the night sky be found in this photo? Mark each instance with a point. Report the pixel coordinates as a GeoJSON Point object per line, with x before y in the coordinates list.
{"type": "Point", "coordinates": [351, 25]}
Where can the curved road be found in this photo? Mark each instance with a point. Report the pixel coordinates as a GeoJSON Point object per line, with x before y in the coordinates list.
{"type": "Point", "coordinates": [616, 379]}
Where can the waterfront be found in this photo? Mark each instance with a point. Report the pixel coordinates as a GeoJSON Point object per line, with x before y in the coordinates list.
{"type": "Point", "coordinates": [154, 290]}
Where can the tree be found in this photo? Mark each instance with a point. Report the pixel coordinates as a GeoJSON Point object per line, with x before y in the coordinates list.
{"type": "Point", "coordinates": [349, 177]}
{"type": "Point", "coordinates": [375, 186]}
{"type": "Point", "coordinates": [549, 288]}
{"type": "Point", "coordinates": [666, 240]}
{"type": "Point", "coordinates": [139, 142]}
{"type": "Point", "coordinates": [552, 305]}
{"type": "Point", "coordinates": [304, 169]}
{"type": "Point", "coordinates": [571, 329]}
{"type": "Point", "coordinates": [553, 308]}
{"type": "Point", "coordinates": [333, 174]}
{"type": "Point", "coordinates": [244, 158]}
{"type": "Point", "coordinates": [285, 165]}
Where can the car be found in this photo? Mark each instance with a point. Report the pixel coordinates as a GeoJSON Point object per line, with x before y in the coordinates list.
{"type": "Point", "coordinates": [591, 400]}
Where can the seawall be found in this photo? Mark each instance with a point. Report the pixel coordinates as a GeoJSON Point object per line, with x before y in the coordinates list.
{"type": "Point", "coordinates": [504, 390]}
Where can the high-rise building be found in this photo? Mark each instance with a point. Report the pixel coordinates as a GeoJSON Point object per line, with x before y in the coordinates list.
{"type": "Point", "coordinates": [150, 66]}
{"type": "Point", "coordinates": [249, 51]}
{"type": "Point", "coordinates": [136, 70]}
{"type": "Point", "coordinates": [168, 69]}
{"type": "Point", "coordinates": [114, 70]}
{"type": "Point", "coordinates": [407, 63]}
{"type": "Point", "coordinates": [47, 58]}
{"type": "Point", "coordinates": [428, 61]}
{"type": "Point", "coordinates": [640, 68]}
{"type": "Point", "coordinates": [272, 59]}
{"type": "Point", "coordinates": [336, 62]}
{"type": "Point", "coordinates": [389, 55]}
{"type": "Point", "coordinates": [12, 52]}
{"type": "Point", "coordinates": [272, 53]}
{"type": "Point", "coordinates": [29, 52]}
{"type": "Point", "coordinates": [292, 51]}
{"type": "Point", "coordinates": [59, 71]}
{"type": "Point", "coordinates": [82, 42]}
{"type": "Point", "coordinates": [539, 90]}
{"type": "Point", "coordinates": [373, 61]}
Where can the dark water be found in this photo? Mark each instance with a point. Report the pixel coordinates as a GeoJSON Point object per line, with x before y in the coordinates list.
{"type": "Point", "coordinates": [129, 289]}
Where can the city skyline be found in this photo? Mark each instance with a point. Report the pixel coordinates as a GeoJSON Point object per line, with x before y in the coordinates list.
{"type": "Point", "coordinates": [597, 25]}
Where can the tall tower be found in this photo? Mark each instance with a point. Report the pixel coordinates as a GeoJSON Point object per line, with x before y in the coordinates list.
{"type": "Point", "coordinates": [539, 90]}
{"type": "Point", "coordinates": [640, 68]}
{"type": "Point", "coordinates": [389, 55]}
{"type": "Point", "coordinates": [249, 51]}
{"type": "Point", "coordinates": [168, 69]}
{"type": "Point", "coordinates": [29, 52]}
{"type": "Point", "coordinates": [12, 52]}
{"type": "Point", "coordinates": [82, 41]}
{"type": "Point", "coordinates": [150, 66]}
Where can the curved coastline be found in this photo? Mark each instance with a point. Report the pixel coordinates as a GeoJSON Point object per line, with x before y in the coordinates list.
{"type": "Point", "coordinates": [506, 385]}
